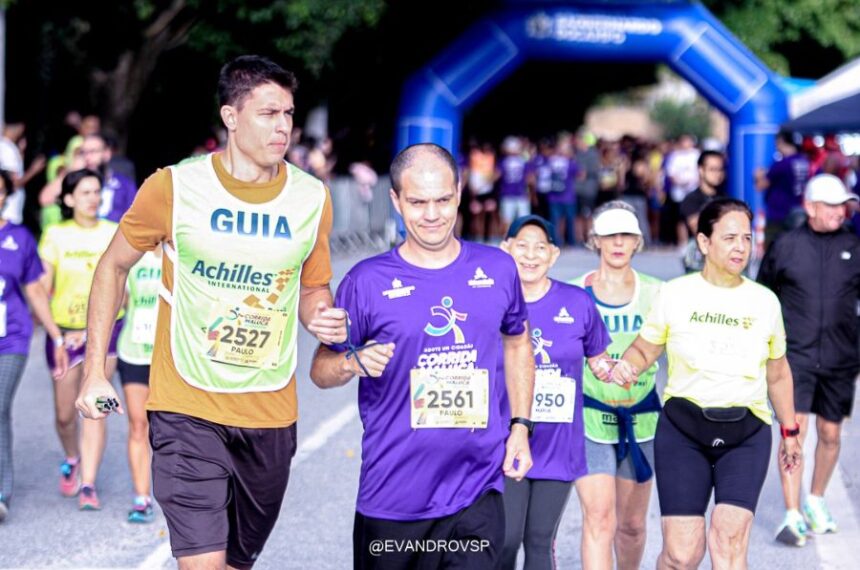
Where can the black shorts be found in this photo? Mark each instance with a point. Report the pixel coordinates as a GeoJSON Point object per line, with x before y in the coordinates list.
{"type": "Point", "coordinates": [827, 394]}
{"type": "Point", "coordinates": [687, 471]}
{"type": "Point", "coordinates": [220, 487]}
{"type": "Point", "coordinates": [471, 538]}
{"type": "Point", "coordinates": [483, 198]}
{"type": "Point", "coordinates": [133, 373]}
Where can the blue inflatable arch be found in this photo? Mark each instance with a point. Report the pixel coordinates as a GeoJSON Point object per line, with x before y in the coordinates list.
{"type": "Point", "coordinates": [683, 35]}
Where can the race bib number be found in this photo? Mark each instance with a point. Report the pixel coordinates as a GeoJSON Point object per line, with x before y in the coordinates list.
{"type": "Point", "coordinates": [245, 336]}
{"type": "Point", "coordinates": [730, 355]}
{"type": "Point", "coordinates": [554, 397]}
{"type": "Point", "coordinates": [77, 312]}
{"type": "Point", "coordinates": [449, 398]}
{"type": "Point", "coordinates": [143, 329]}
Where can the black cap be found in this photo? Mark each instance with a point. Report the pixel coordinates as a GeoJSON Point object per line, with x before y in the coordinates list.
{"type": "Point", "coordinates": [533, 220]}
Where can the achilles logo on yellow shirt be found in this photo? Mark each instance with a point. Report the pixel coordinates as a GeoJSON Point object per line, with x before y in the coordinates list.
{"type": "Point", "coordinates": [721, 319]}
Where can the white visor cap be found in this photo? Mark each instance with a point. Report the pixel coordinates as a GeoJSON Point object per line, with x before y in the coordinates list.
{"type": "Point", "coordinates": [616, 221]}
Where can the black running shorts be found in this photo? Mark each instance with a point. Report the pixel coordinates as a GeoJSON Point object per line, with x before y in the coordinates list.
{"type": "Point", "coordinates": [687, 472]}
{"type": "Point", "coordinates": [220, 487]}
{"type": "Point", "coordinates": [827, 394]}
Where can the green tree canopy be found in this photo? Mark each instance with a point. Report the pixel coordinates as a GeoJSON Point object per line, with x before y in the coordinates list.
{"type": "Point", "coordinates": [768, 26]}
{"type": "Point", "coordinates": [119, 44]}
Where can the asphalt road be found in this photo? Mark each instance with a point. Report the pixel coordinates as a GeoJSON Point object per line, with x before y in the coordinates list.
{"type": "Point", "coordinates": [314, 531]}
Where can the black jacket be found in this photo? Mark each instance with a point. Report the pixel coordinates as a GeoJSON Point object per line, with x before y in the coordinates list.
{"type": "Point", "coordinates": [817, 279]}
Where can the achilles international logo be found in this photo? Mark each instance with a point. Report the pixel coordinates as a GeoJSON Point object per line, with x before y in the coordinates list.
{"type": "Point", "coordinates": [714, 319]}
{"type": "Point", "coordinates": [481, 280]}
{"type": "Point", "coordinates": [398, 290]}
{"type": "Point", "coordinates": [563, 317]}
{"type": "Point", "coordinates": [241, 276]}
{"type": "Point", "coordinates": [721, 319]}
{"type": "Point", "coordinates": [539, 343]}
{"type": "Point", "coordinates": [446, 311]}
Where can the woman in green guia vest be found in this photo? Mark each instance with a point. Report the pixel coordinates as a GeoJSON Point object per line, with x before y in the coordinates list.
{"type": "Point", "coordinates": [620, 421]}
{"type": "Point", "coordinates": [135, 346]}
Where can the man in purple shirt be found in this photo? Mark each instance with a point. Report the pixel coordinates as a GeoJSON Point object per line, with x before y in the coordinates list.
{"type": "Point", "coordinates": [513, 190]}
{"type": "Point", "coordinates": [539, 177]}
{"type": "Point", "coordinates": [430, 318]}
{"type": "Point", "coordinates": [783, 187]}
{"type": "Point", "coordinates": [562, 198]}
{"type": "Point", "coordinates": [118, 191]}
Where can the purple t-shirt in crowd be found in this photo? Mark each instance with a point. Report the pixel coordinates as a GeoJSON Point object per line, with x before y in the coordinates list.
{"type": "Point", "coordinates": [437, 318]}
{"type": "Point", "coordinates": [539, 165]}
{"type": "Point", "coordinates": [788, 178]}
{"type": "Point", "coordinates": [564, 171]}
{"type": "Point", "coordinates": [19, 266]}
{"type": "Point", "coordinates": [512, 180]}
{"type": "Point", "coordinates": [565, 328]}
{"type": "Point", "coordinates": [118, 193]}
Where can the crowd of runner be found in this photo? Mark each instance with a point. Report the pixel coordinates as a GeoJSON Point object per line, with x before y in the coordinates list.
{"type": "Point", "coordinates": [564, 178]}
{"type": "Point", "coordinates": [488, 391]}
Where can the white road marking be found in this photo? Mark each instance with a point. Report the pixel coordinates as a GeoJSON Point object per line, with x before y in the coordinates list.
{"type": "Point", "coordinates": [157, 558]}
{"type": "Point", "coordinates": [326, 430]}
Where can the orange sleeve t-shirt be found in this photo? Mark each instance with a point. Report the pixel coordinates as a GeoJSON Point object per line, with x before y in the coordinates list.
{"type": "Point", "coordinates": [145, 225]}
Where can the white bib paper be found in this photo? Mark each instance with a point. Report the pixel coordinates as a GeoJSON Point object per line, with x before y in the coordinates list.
{"type": "Point", "coordinates": [554, 397]}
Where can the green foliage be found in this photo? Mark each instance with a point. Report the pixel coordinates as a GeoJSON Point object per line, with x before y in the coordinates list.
{"type": "Point", "coordinates": [302, 30]}
{"type": "Point", "coordinates": [677, 118]}
{"type": "Point", "coordinates": [764, 25]}
{"type": "Point", "coordinates": [144, 9]}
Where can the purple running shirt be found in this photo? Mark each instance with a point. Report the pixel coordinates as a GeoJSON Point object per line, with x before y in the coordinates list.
{"type": "Point", "coordinates": [566, 327]}
{"type": "Point", "coordinates": [449, 318]}
{"type": "Point", "coordinates": [19, 266]}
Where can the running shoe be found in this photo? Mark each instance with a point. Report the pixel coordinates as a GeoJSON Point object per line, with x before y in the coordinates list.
{"type": "Point", "coordinates": [70, 478]}
{"type": "Point", "coordinates": [4, 508]}
{"type": "Point", "coordinates": [793, 530]}
{"type": "Point", "coordinates": [88, 500]}
{"type": "Point", "coordinates": [141, 511]}
{"type": "Point", "coordinates": [818, 515]}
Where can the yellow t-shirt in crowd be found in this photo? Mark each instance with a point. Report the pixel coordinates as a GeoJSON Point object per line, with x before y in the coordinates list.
{"type": "Point", "coordinates": [718, 341]}
{"type": "Point", "coordinates": [74, 251]}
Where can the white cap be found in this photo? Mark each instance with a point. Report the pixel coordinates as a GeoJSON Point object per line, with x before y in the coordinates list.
{"type": "Point", "coordinates": [512, 145]}
{"type": "Point", "coordinates": [616, 221]}
{"type": "Point", "coordinates": [828, 189]}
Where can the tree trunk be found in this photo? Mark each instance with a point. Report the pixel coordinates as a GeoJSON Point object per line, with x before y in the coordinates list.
{"type": "Point", "coordinates": [122, 87]}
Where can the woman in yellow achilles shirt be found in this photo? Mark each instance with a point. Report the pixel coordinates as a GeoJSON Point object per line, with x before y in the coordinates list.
{"type": "Point", "coordinates": [725, 342]}
{"type": "Point", "coordinates": [70, 252]}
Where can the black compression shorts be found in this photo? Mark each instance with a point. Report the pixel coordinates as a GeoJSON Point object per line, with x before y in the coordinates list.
{"type": "Point", "coordinates": [687, 472]}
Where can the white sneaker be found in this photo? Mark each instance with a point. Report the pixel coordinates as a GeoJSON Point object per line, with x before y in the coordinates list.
{"type": "Point", "coordinates": [818, 515]}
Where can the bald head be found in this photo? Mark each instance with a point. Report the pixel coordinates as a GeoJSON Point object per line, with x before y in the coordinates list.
{"type": "Point", "coordinates": [427, 155]}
